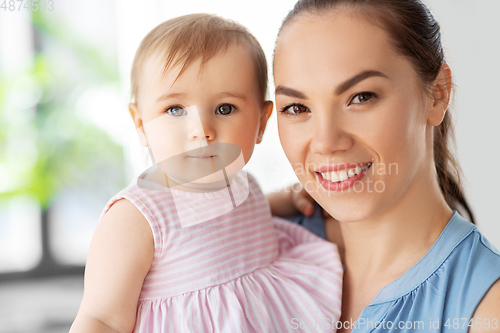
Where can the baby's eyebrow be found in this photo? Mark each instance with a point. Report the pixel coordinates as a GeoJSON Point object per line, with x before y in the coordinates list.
{"type": "Point", "coordinates": [167, 96]}
{"type": "Point", "coordinates": [233, 94]}
{"type": "Point", "coordinates": [182, 95]}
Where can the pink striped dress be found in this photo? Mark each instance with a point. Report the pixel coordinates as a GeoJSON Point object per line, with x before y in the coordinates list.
{"type": "Point", "coordinates": [244, 271]}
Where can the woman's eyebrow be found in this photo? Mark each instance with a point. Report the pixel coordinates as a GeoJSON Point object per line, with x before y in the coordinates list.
{"type": "Point", "coordinates": [343, 87]}
{"type": "Point", "coordinates": [356, 79]}
{"type": "Point", "coordinates": [280, 90]}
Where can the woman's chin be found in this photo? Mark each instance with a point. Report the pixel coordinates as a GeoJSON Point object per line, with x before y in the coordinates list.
{"type": "Point", "coordinates": [350, 211]}
{"type": "Point", "coordinates": [346, 216]}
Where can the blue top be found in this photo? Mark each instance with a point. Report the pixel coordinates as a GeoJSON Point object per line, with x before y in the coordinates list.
{"type": "Point", "coordinates": [440, 292]}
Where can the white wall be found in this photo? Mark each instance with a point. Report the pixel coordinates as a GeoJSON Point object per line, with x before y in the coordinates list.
{"type": "Point", "coordinates": [472, 45]}
{"type": "Point", "coordinates": [470, 34]}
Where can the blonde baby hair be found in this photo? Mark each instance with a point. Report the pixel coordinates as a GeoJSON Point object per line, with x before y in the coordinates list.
{"type": "Point", "coordinates": [185, 39]}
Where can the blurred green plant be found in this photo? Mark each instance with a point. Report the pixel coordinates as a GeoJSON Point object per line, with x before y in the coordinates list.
{"type": "Point", "coordinates": [48, 148]}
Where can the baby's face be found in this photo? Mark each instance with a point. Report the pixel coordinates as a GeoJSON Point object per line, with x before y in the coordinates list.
{"type": "Point", "coordinates": [204, 119]}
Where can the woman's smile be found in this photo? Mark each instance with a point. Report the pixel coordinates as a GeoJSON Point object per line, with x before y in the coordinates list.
{"type": "Point", "coordinates": [342, 176]}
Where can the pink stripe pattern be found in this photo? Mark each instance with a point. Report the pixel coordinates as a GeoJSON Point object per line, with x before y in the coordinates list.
{"type": "Point", "coordinates": [243, 271]}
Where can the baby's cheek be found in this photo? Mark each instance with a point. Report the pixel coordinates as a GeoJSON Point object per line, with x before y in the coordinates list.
{"type": "Point", "coordinates": [246, 145]}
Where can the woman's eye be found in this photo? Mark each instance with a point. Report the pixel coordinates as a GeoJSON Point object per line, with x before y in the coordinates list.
{"type": "Point", "coordinates": [176, 111]}
{"type": "Point", "coordinates": [225, 109]}
{"type": "Point", "coordinates": [294, 109]}
{"type": "Point", "coordinates": [362, 98]}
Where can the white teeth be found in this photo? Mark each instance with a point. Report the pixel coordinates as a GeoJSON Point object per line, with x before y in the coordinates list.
{"type": "Point", "coordinates": [334, 177]}
{"type": "Point", "coordinates": [344, 174]}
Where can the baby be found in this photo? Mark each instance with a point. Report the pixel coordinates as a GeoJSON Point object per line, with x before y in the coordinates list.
{"type": "Point", "coordinates": [190, 245]}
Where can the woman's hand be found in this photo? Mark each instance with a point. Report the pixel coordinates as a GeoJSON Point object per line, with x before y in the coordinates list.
{"type": "Point", "coordinates": [291, 201]}
{"type": "Point", "coordinates": [302, 201]}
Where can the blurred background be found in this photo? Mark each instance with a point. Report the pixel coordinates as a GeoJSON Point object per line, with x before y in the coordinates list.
{"type": "Point", "coordinates": [67, 143]}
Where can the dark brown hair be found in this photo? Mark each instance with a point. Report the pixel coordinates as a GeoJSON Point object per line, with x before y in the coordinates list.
{"type": "Point", "coordinates": [185, 39]}
{"type": "Point", "coordinates": [416, 35]}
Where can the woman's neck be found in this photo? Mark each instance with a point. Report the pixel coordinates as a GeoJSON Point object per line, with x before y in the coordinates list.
{"type": "Point", "coordinates": [392, 241]}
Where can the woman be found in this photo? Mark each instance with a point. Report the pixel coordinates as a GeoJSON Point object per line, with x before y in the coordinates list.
{"type": "Point", "coordinates": [362, 92]}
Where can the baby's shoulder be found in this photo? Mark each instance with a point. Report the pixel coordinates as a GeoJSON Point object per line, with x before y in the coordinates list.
{"type": "Point", "coordinates": [123, 214]}
{"type": "Point", "coordinates": [150, 202]}
{"type": "Point", "coordinates": [142, 210]}
{"type": "Point", "coordinates": [134, 204]}
{"type": "Point", "coordinates": [122, 224]}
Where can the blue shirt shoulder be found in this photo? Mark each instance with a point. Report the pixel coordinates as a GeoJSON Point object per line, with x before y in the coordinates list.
{"type": "Point", "coordinates": [439, 293]}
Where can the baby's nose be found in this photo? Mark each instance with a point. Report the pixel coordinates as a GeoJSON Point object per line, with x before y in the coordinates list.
{"type": "Point", "coordinates": [201, 130]}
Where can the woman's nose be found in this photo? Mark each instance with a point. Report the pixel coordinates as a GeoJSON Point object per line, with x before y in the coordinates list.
{"type": "Point", "coordinates": [330, 134]}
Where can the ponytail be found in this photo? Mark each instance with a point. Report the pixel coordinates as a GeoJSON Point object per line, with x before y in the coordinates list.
{"type": "Point", "coordinates": [445, 163]}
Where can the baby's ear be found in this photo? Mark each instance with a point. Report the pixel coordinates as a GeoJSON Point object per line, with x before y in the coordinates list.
{"type": "Point", "coordinates": [267, 110]}
{"type": "Point", "coordinates": [136, 117]}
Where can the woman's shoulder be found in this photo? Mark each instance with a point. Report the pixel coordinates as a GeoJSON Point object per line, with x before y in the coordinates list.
{"type": "Point", "coordinates": [478, 262]}
{"type": "Point", "coordinates": [463, 264]}
{"type": "Point", "coordinates": [487, 314]}
{"type": "Point", "coordinates": [468, 274]}
{"type": "Point", "coordinates": [461, 248]}
{"type": "Point", "coordinates": [473, 251]}
{"type": "Point", "coordinates": [449, 282]}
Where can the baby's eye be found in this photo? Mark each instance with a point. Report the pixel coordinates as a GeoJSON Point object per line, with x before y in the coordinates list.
{"type": "Point", "coordinates": [295, 109]}
{"type": "Point", "coordinates": [225, 109]}
{"type": "Point", "coordinates": [176, 111]}
{"type": "Point", "coordinates": [362, 98]}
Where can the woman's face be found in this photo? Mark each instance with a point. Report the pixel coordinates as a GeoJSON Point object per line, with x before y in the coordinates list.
{"type": "Point", "coordinates": [352, 117]}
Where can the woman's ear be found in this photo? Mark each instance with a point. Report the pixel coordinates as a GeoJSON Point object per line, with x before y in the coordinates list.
{"type": "Point", "coordinates": [136, 117]}
{"type": "Point", "coordinates": [267, 110]}
{"type": "Point", "coordinates": [441, 94]}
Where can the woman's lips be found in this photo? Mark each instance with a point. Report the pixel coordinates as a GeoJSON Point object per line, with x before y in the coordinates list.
{"type": "Point", "coordinates": [340, 166]}
{"type": "Point", "coordinates": [342, 176]}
